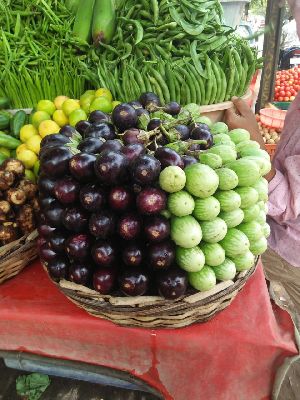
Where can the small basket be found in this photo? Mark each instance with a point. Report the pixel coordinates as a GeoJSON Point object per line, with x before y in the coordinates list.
{"type": "Point", "coordinates": [154, 311]}
{"type": "Point", "coordinates": [271, 149]}
{"type": "Point", "coordinates": [272, 118]}
{"type": "Point", "coordinates": [16, 255]}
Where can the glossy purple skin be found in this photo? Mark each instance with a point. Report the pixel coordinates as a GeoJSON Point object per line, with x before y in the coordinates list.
{"type": "Point", "coordinates": [172, 108]}
{"type": "Point", "coordinates": [75, 219]}
{"type": "Point", "coordinates": [45, 230]}
{"type": "Point", "coordinates": [151, 201]}
{"type": "Point", "coordinates": [92, 198]}
{"type": "Point", "coordinates": [97, 116]}
{"type": "Point", "coordinates": [132, 255]}
{"type": "Point", "coordinates": [111, 167]}
{"type": "Point", "coordinates": [141, 111]}
{"type": "Point", "coordinates": [58, 268]}
{"type": "Point", "coordinates": [91, 145]}
{"type": "Point", "coordinates": [172, 283]}
{"type": "Point", "coordinates": [124, 117]}
{"type": "Point", "coordinates": [153, 124]}
{"type": "Point", "coordinates": [161, 256]}
{"type": "Point", "coordinates": [57, 139]}
{"type": "Point", "coordinates": [157, 228]}
{"type": "Point", "coordinates": [78, 247]}
{"type": "Point", "coordinates": [81, 126]}
{"type": "Point", "coordinates": [120, 198]}
{"type": "Point", "coordinates": [102, 224]}
{"type": "Point", "coordinates": [133, 282]}
{"type": "Point", "coordinates": [189, 160]}
{"type": "Point", "coordinates": [104, 280]}
{"type": "Point", "coordinates": [67, 190]}
{"type": "Point", "coordinates": [149, 98]}
{"type": "Point", "coordinates": [104, 254]}
{"type": "Point", "coordinates": [129, 226]}
{"type": "Point", "coordinates": [168, 157]}
{"type": "Point", "coordinates": [102, 129]}
{"type": "Point", "coordinates": [80, 274]}
{"type": "Point", "coordinates": [145, 170]}
{"type": "Point", "coordinates": [67, 130]}
{"type": "Point", "coordinates": [135, 104]}
{"type": "Point", "coordinates": [55, 161]}
{"type": "Point", "coordinates": [202, 132]}
{"type": "Point", "coordinates": [46, 201]}
{"type": "Point", "coordinates": [57, 241]}
{"type": "Point", "coordinates": [183, 131]}
{"type": "Point", "coordinates": [133, 151]}
{"type": "Point", "coordinates": [47, 254]}
{"type": "Point", "coordinates": [53, 214]}
{"type": "Point", "coordinates": [112, 145]}
{"type": "Point", "coordinates": [46, 184]}
{"type": "Point", "coordinates": [82, 167]}
{"type": "Point", "coordinates": [131, 136]}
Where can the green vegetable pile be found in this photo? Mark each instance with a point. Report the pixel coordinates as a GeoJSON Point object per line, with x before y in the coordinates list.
{"type": "Point", "coordinates": [218, 207]}
{"type": "Point", "coordinates": [180, 50]}
{"type": "Point", "coordinates": [38, 56]}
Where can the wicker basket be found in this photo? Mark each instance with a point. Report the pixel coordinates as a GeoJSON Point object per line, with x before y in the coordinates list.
{"type": "Point", "coordinates": [16, 255]}
{"type": "Point", "coordinates": [156, 312]}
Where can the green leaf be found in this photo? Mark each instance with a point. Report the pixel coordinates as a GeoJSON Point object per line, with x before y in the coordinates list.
{"type": "Point", "coordinates": [32, 386]}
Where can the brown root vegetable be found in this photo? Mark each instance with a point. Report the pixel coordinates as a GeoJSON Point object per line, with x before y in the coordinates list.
{"type": "Point", "coordinates": [35, 205]}
{"type": "Point", "coordinates": [15, 166]}
{"type": "Point", "coordinates": [28, 187]}
{"type": "Point", "coordinates": [16, 196]}
{"type": "Point", "coordinates": [25, 219]}
{"type": "Point", "coordinates": [7, 179]}
{"type": "Point", "coordinates": [8, 232]}
{"type": "Point", "coordinates": [5, 207]}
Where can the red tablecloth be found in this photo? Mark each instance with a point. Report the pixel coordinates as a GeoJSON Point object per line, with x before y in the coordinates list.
{"type": "Point", "coordinates": [232, 357]}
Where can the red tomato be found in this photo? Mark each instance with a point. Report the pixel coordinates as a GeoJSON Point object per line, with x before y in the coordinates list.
{"type": "Point", "coordinates": [280, 98]}
{"type": "Point", "coordinates": [282, 93]}
{"type": "Point", "coordinates": [288, 93]}
{"type": "Point", "coordinates": [286, 99]}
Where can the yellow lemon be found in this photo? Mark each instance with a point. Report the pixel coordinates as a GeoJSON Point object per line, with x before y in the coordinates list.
{"type": "Point", "coordinates": [27, 131]}
{"type": "Point", "coordinates": [115, 104]}
{"type": "Point", "coordinates": [48, 128]}
{"type": "Point", "coordinates": [101, 104]}
{"type": "Point", "coordinates": [47, 106]}
{"type": "Point", "coordinates": [36, 168]}
{"type": "Point", "coordinates": [34, 144]}
{"type": "Point", "coordinates": [103, 92]}
{"type": "Point", "coordinates": [5, 151]}
{"type": "Point", "coordinates": [28, 158]}
{"type": "Point", "coordinates": [76, 116]}
{"type": "Point", "coordinates": [69, 106]}
{"type": "Point", "coordinates": [59, 100]}
{"type": "Point", "coordinates": [30, 175]}
{"type": "Point", "coordinates": [21, 147]}
{"type": "Point", "coordinates": [60, 118]}
{"type": "Point", "coordinates": [38, 117]}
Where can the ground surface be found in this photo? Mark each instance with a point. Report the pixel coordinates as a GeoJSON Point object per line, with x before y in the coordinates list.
{"type": "Point", "coordinates": [66, 389]}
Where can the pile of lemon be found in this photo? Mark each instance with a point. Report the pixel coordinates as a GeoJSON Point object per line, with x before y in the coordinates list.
{"type": "Point", "coordinates": [48, 117]}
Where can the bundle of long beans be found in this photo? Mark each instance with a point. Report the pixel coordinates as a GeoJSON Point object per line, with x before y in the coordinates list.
{"type": "Point", "coordinates": [38, 57]}
{"type": "Point", "coordinates": [179, 49]}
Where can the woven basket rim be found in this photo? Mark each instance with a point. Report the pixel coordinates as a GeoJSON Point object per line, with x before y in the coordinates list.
{"type": "Point", "coordinates": [227, 287]}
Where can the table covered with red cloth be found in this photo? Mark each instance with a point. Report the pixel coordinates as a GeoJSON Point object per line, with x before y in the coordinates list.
{"type": "Point", "coordinates": [232, 357]}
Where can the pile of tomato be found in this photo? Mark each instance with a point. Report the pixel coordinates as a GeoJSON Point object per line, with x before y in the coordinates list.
{"type": "Point", "coordinates": [287, 84]}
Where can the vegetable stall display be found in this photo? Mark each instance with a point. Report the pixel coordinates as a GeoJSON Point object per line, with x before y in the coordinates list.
{"type": "Point", "coordinates": [160, 209]}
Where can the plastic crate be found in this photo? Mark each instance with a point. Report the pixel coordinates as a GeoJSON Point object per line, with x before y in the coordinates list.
{"type": "Point", "coordinates": [282, 105]}
{"type": "Point", "coordinates": [272, 118]}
